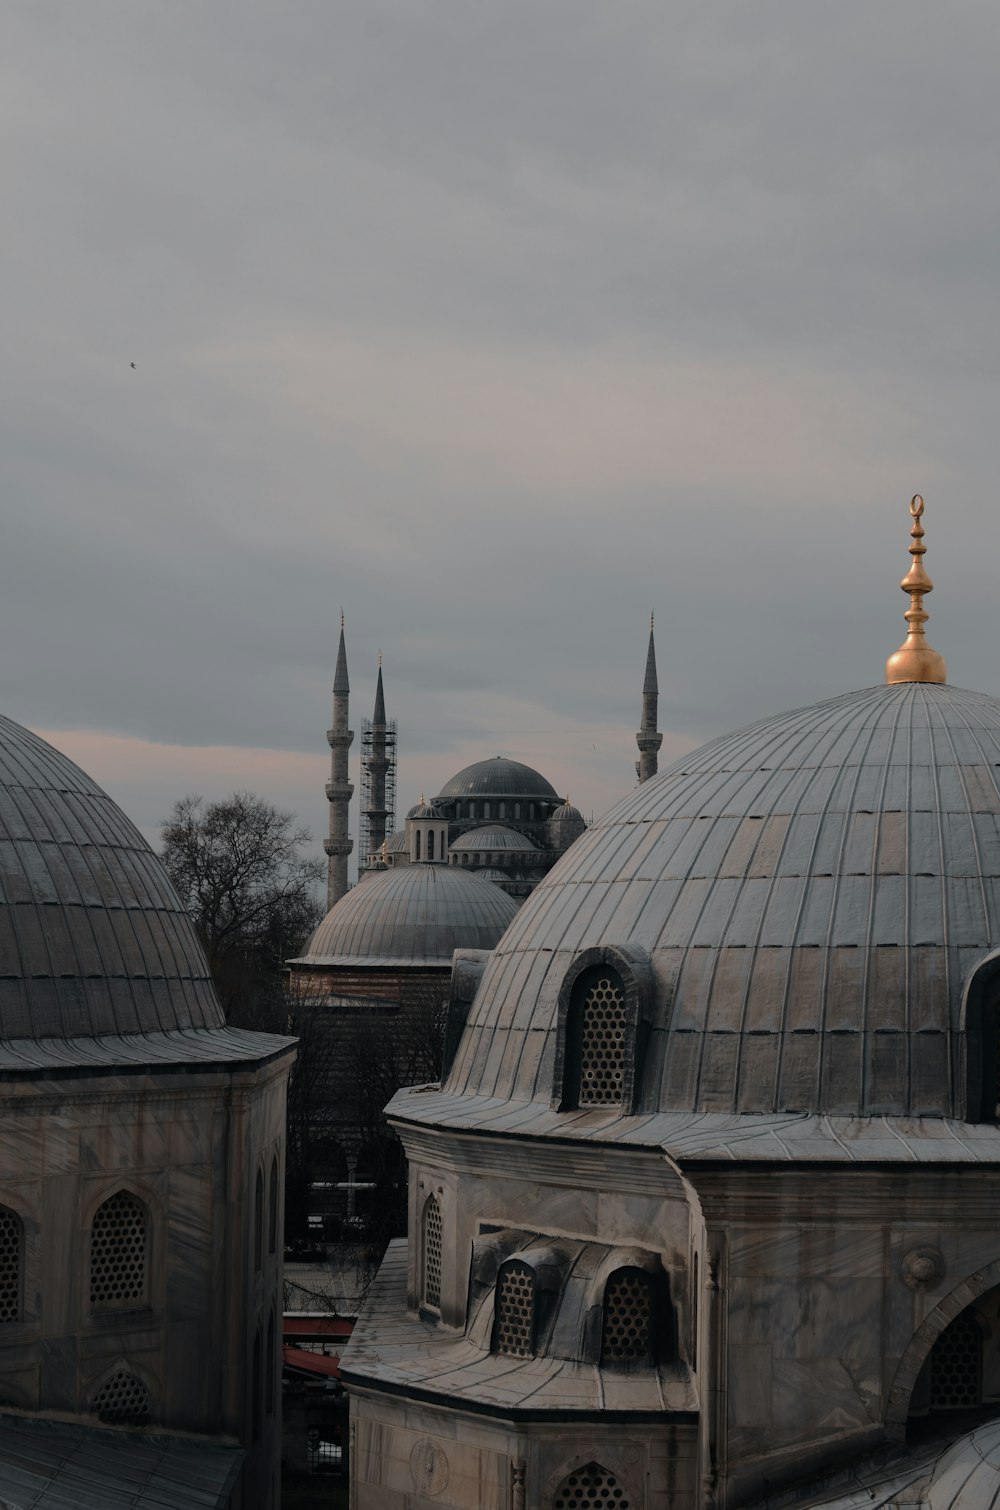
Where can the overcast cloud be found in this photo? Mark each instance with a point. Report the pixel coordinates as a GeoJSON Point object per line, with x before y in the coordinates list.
{"type": "Point", "coordinates": [496, 325]}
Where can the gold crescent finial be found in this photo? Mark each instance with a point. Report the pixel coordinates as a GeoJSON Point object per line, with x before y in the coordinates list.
{"type": "Point", "coordinates": [915, 661]}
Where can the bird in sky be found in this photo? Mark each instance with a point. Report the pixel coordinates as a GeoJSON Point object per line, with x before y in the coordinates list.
{"type": "Point", "coordinates": [133, 366]}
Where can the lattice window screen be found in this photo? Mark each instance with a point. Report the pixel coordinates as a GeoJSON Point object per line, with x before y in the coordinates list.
{"type": "Point", "coordinates": [628, 1318]}
{"type": "Point", "coordinates": [123, 1400]}
{"type": "Point", "coordinates": [590, 1488]}
{"type": "Point", "coordinates": [514, 1331]}
{"type": "Point", "coordinates": [11, 1258]}
{"type": "Point", "coordinates": [118, 1252]}
{"type": "Point", "coordinates": [432, 1252]}
{"type": "Point", "coordinates": [956, 1366]}
{"type": "Point", "coordinates": [602, 1043]}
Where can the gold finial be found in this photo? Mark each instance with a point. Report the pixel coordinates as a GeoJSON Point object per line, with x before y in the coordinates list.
{"type": "Point", "coordinates": [915, 661]}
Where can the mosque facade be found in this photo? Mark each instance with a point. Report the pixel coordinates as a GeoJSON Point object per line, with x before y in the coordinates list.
{"type": "Point", "coordinates": [704, 1210]}
{"type": "Point", "coordinates": [142, 1177]}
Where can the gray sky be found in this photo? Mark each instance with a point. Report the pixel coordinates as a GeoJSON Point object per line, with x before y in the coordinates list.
{"type": "Point", "coordinates": [497, 325]}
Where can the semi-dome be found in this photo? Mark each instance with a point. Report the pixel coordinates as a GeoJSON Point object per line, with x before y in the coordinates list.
{"type": "Point", "coordinates": [803, 903]}
{"type": "Point", "coordinates": [498, 777]}
{"type": "Point", "coordinates": [414, 914]}
{"type": "Point", "coordinates": [95, 940]}
{"type": "Point", "coordinates": [493, 836]}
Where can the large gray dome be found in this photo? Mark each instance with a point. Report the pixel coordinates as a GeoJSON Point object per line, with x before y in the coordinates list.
{"type": "Point", "coordinates": [812, 893]}
{"type": "Point", "coordinates": [93, 938]}
{"type": "Point", "coordinates": [498, 777]}
{"type": "Point", "coordinates": [410, 915]}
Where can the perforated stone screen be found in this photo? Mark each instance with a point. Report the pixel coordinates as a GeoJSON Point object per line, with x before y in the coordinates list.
{"type": "Point", "coordinates": [956, 1366]}
{"type": "Point", "coordinates": [602, 1043]}
{"type": "Point", "coordinates": [432, 1253]}
{"type": "Point", "coordinates": [118, 1252]}
{"type": "Point", "coordinates": [123, 1400]}
{"type": "Point", "coordinates": [628, 1319]}
{"type": "Point", "coordinates": [11, 1247]}
{"type": "Point", "coordinates": [589, 1488]}
{"type": "Point", "coordinates": [515, 1317]}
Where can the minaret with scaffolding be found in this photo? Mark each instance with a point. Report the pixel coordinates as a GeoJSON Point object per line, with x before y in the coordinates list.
{"type": "Point", "coordinates": [339, 790]}
{"type": "Point", "coordinates": [648, 738]}
{"type": "Point", "coordinates": [378, 779]}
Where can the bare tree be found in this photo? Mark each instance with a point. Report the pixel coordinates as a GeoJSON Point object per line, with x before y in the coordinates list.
{"type": "Point", "coordinates": [251, 892]}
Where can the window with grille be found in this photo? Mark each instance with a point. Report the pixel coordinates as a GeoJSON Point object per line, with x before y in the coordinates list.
{"type": "Point", "coordinates": [258, 1221]}
{"type": "Point", "coordinates": [122, 1401]}
{"type": "Point", "coordinates": [432, 1252]}
{"type": "Point", "coordinates": [627, 1335]}
{"type": "Point", "coordinates": [118, 1244]}
{"type": "Point", "coordinates": [11, 1262]}
{"type": "Point", "coordinates": [957, 1366]}
{"type": "Point", "coordinates": [590, 1488]}
{"type": "Point", "coordinates": [600, 1041]}
{"type": "Point", "coordinates": [514, 1321]}
{"type": "Point", "coordinates": [272, 1210]}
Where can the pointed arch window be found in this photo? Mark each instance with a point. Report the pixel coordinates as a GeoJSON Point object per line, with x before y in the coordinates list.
{"type": "Point", "coordinates": [123, 1400]}
{"type": "Point", "coordinates": [514, 1311]}
{"type": "Point", "coordinates": [982, 1047]}
{"type": "Point", "coordinates": [591, 1487]}
{"type": "Point", "coordinates": [416, 844]}
{"type": "Point", "coordinates": [605, 1003]}
{"type": "Point", "coordinates": [598, 1040]}
{"type": "Point", "coordinates": [430, 844]}
{"type": "Point", "coordinates": [11, 1264]}
{"type": "Point", "coordinates": [272, 1209]}
{"type": "Point", "coordinates": [432, 1247]}
{"type": "Point", "coordinates": [118, 1252]}
{"type": "Point", "coordinates": [629, 1307]}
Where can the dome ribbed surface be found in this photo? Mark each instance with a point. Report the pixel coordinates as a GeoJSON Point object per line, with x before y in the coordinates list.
{"type": "Point", "coordinates": [812, 892]}
{"type": "Point", "coordinates": [93, 938]}
{"type": "Point", "coordinates": [415, 914]}
{"type": "Point", "coordinates": [494, 837]}
{"type": "Point", "coordinates": [498, 777]}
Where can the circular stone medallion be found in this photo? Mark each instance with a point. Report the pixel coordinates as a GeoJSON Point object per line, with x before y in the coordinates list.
{"type": "Point", "coordinates": [428, 1468]}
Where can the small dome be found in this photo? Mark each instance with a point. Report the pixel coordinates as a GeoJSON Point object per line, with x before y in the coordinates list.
{"type": "Point", "coordinates": [498, 777]}
{"type": "Point", "coordinates": [396, 843]}
{"type": "Point", "coordinates": [812, 894]}
{"type": "Point", "coordinates": [495, 837]}
{"type": "Point", "coordinates": [424, 809]}
{"type": "Point", "coordinates": [93, 938]}
{"type": "Point", "coordinates": [567, 814]}
{"type": "Point", "coordinates": [490, 873]}
{"type": "Point", "coordinates": [413, 914]}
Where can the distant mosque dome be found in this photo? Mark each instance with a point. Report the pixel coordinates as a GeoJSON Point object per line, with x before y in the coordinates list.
{"type": "Point", "coordinates": [567, 813]}
{"type": "Point", "coordinates": [493, 837]}
{"type": "Point", "coordinates": [498, 777]}
{"type": "Point", "coordinates": [786, 886]}
{"type": "Point", "coordinates": [490, 873]}
{"type": "Point", "coordinates": [96, 939]}
{"type": "Point", "coordinates": [413, 914]}
{"type": "Point", "coordinates": [423, 809]}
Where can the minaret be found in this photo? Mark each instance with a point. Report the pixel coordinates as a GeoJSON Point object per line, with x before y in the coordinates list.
{"type": "Point", "coordinates": [339, 789]}
{"type": "Point", "coordinates": [647, 738]}
{"type": "Point", "coordinates": [377, 754]}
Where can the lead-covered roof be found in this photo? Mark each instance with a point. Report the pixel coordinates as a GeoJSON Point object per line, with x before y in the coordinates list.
{"type": "Point", "coordinates": [812, 891]}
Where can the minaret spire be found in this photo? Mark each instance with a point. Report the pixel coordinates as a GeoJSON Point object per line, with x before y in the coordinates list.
{"type": "Point", "coordinates": [648, 738]}
{"type": "Point", "coordinates": [339, 790]}
{"type": "Point", "coordinates": [378, 778]}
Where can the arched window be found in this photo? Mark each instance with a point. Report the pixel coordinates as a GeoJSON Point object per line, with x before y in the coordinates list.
{"type": "Point", "coordinates": [514, 1311]}
{"type": "Point", "coordinates": [255, 1387]}
{"type": "Point", "coordinates": [590, 1488]}
{"type": "Point", "coordinates": [531, 811]}
{"type": "Point", "coordinates": [433, 1233]}
{"type": "Point", "coordinates": [269, 1382]}
{"type": "Point", "coordinates": [502, 810]}
{"type": "Point", "coordinates": [982, 1031]}
{"type": "Point", "coordinates": [11, 1264]}
{"type": "Point", "coordinates": [627, 1331]}
{"type": "Point", "coordinates": [258, 1221]}
{"type": "Point", "coordinates": [430, 844]}
{"type": "Point", "coordinates": [416, 844]}
{"type": "Point", "coordinates": [272, 1209]}
{"type": "Point", "coordinates": [595, 1040]}
{"type": "Point", "coordinates": [956, 1365]}
{"type": "Point", "coordinates": [123, 1400]}
{"type": "Point", "coordinates": [118, 1252]}
{"type": "Point", "coordinates": [486, 810]}
{"type": "Point", "coordinates": [517, 810]}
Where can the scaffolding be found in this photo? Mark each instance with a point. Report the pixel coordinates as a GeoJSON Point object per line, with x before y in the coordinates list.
{"type": "Point", "coordinates": [378, 788]}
